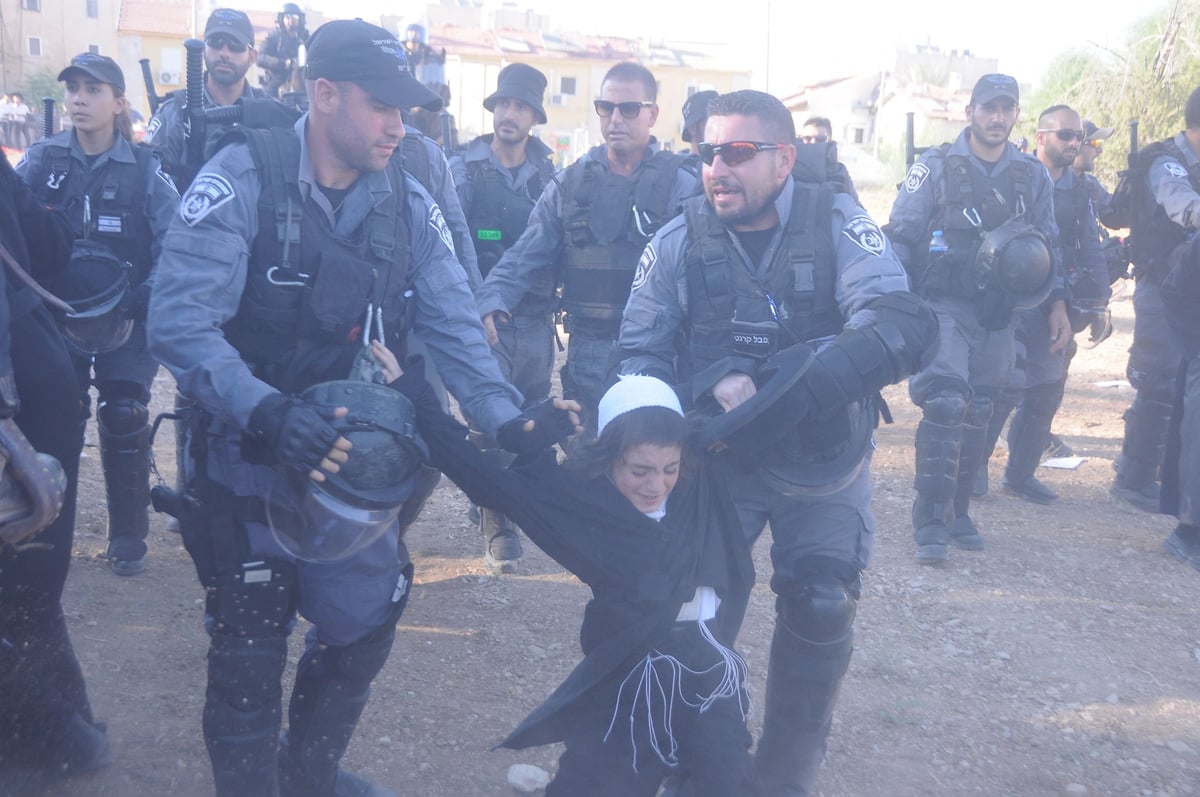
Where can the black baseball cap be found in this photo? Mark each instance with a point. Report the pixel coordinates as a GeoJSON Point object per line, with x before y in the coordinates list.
{"type": "Point", "coordinates": [231, 22]}
{"type": "Point", "coordinates": [98, 67]}
{"type": "Point", "coordinates": [371, 58]}
{"type": "Point", "coordinates": [1091, 132]}
{"type": "Point", "coordinates": [991, 87]}
{"type": "Point", "coordinates": [695, 110]}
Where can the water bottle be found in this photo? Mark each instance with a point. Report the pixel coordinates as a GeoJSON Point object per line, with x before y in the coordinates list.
{"type": "Point", "coordinates": [937, 244]}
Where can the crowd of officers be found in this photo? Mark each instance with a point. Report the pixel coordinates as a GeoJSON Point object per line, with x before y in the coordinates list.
{"type": "Point", "coordinates": [745, 271]}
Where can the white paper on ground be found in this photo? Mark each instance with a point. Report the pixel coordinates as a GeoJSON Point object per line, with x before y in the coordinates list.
{"type": "Point", "coordinates": [1063, 463]}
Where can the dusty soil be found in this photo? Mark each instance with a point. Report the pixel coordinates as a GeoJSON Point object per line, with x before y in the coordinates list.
{"type": "Point", "coordinates": [1064, 659]}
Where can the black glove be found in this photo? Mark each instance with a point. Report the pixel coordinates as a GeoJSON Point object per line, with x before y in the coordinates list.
{"type": "Point", "coordinates": [416, 388]}
{"type": "Point", "coordinates": [136, 302]}
{"type": "Point", "coordinates": [550, 425]}
{"type": "Point", "coordinates": [295, 432]}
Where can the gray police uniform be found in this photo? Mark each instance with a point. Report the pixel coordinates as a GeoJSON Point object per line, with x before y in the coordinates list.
{"type": "Point", "coordinates": [1166, 213]}
{"type": "Point", "coordinates": [498, 202]}
{"type": "Point", "coordinates": [212, 265]}
{"type": "Point", "coordinates": [817, 278]}
{"type": "Point", "coordinates": [167, 130]}
{"type": "Point", "coordinates": [948, 189]}
{"type": "Point", "coordinates": [591, 226]}
{"type": "Point", "coordinates": [129, 205]}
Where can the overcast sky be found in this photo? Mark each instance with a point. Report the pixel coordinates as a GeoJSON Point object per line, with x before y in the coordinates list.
{"type": "Point", "coordinates": [809, 41]}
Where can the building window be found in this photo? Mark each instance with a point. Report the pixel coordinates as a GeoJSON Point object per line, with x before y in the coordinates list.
{"type": "Point", "coordinates": [94, 49]}
{"type": "Point", "coordinates": [93, 9]}
{"type": "Point", "coordinates": [858, 135]}
{"type": "Point", "coordinates": [35, 45]}
{"type": "Point", "coordinates": [31, 5]}
{"type": "Point", "coordinates": [566, 86]}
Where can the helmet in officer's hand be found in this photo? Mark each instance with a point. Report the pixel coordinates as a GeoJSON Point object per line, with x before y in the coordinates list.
{"type": "Point", "coordinates": [1092, 316]}
{"type": "Point", "coordinates": [1014, 259]}
{"type": "Point", "coordinates": [94, 284]}
{"type": "Point", "coordinates": [334, 519]}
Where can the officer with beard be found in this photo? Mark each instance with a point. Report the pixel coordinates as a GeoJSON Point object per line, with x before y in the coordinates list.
{"type": "Point", "coordinates": [499, 179]}
{"type": "Point", "coordinates": [293, 250]}
{"type": "Point", "coordinates": [952, 196]}
{"type": "Point", "coordinates": [228, 54]}
{"type": "Point", "coordinates": [1041, 370]}
{"type": "Point", "coordinates": [764, 262]}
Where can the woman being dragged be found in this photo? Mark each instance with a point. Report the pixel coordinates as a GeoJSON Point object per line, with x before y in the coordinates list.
{"type": "Point", "coordinates": [639, 518]}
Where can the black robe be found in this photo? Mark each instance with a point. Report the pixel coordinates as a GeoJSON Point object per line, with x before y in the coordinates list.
{"type": "Point", "coordinates": [640, 571]}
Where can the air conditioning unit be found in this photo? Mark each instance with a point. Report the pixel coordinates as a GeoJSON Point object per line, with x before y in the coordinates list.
{"type": "Point", "coordinates": [558, 99]}
{"type": "Point", "coordinates": [168, 78]}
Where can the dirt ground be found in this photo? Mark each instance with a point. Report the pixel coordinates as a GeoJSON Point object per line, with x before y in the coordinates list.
{"type": "Point", "coordinates": [1063, 660]}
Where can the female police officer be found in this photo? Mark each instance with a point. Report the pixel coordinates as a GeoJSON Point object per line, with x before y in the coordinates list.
{"type": "Point", "coordinates": [119, 203]}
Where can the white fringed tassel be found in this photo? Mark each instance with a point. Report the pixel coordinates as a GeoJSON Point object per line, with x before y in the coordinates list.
{"type": "Point", "coordinates": [657, 692]}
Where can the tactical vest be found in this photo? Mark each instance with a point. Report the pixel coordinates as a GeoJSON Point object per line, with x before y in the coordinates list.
{"type": "Point", "coordinates": [116, 202]}
{"type": "Point", "coordinates": [499, 214]}
{"type": "Point", "coordinates": [308, 293]}
{"type": "Point", "coordinates": [1072, 207]}
{"type": "Point", "coordinates": [607, 221]}
{"type": "Point", "coordinates": [970, 197]}
{"type": "Point", "coordinates": [728, 305]}
{"type": "Point", "coordinates": [1152, 234]}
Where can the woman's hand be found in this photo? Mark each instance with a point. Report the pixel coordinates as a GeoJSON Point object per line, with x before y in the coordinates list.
{"type": "Point", "coordinates": [391, 366]}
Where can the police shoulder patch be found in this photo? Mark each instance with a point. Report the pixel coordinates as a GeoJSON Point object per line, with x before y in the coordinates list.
{"type": "Point", "coordinates": [207, 193]}
{"type": "Point", "coordinates": [1174, 169]}
{"type": "Point", "coordinates": [438, 223]}
{"type": "Point", "coordinates": [916, 177]}
{"type": "Point", "coordinates": [152, 128]}
{"type": "Point", "coordinates": [865, 234]}
{"type": "Point", "coordinates": [647, 261]}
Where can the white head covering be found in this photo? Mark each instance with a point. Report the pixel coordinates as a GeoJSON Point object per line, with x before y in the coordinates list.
{"type": "Point", "coordinates": [634, 392]}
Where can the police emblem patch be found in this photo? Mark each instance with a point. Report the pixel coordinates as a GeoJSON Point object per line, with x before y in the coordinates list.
{"type": "Point", "coordinates": [866, 234]}
{"type": "Point", "coordinates": [1174, 169]}
{"type": "Point", "coordinates": [151, 129]}
{"type": "Point", "coordinates": [916, 177]}
{"type": "Point", "coordinates": [438, 223]}
{"type": "Point", "coordinates": [207, 193]}
{"type": "Point", "coordinates": [647, 261]}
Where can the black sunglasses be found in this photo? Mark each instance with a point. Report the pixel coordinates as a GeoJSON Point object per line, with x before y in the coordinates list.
{"type": "Point", "coordinates": [1067, 135]}
{"type": "Point", "coordinates": [629, 110]}
{"type": "Point", "coordinates": [818, 139]}
{"type": "Point", "coordinates": [732, 152]}
{"type": "Point", "coordinates": [225, 42]}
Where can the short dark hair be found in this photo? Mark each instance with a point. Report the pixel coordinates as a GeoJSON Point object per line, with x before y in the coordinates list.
{"type": "Point", "coordinates": [819, 121]}
{"type": "Point", "coordinates": [1191, 111]}
{"type": "Point", "coordinates": [656, 426]}
{"type": "Point", "coordinates": [1053, 109]}
{"type": "Point", "coordinates": [776, 118]}
{"type": "Point", "coordinates": [628, 71]}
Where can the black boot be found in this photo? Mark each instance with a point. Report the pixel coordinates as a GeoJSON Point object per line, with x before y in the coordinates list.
{"type": "Point", "coordinates": [332, 687]}
{"type": "Point", "coordinates": [1184, 544]}
{"type": "Point", "coordinates": [242, 713]}
{"type": "Point", "coordinates": [937, 445]}
{"type": "Point", "coordinates": [125, 456]}
{"type": "Point", "coordinates": [963, 533]}
{"type": "Point", "coordinates": [803, 678]}
{"type": "Point", "coordinates": [1142, 452]}
{"type": "Point", "coordinates": [1028, 437]}
{"type": "Point", "coordinates": [1002, 406]}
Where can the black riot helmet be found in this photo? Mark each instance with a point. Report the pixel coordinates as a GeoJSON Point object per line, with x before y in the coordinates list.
{"type": "Point", "coordinates": [95, 284]}
{"type": "Point", "coordinates": [334, 519]}
{"type": "Point", "coordinates": [1014, 259]}
{"type": "Point", "coordinates": [292, 10]}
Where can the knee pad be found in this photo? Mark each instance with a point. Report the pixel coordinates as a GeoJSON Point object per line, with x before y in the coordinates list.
{"type": "Point", "coordinates": [122, 416]}
{"type": "Point", "coordinates": [978, 410]}
{"type": "Point", "coordinates": [945, 409]}
{"type": "Point", "coordinates": [820, 611]}
{"type": "Point", "coordinates": [254, 610]}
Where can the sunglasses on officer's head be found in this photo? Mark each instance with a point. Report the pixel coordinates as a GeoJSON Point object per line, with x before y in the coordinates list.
{"type": "Point", "coordinates": [1067, 135]}
{"type": "Point", "coordinates": [629, 109]}
{"type": "Point", "coordinates": [1096, 144]}
{"type": "Point", "coordinates": [732, 152]}
{"type": "Point", "coordinates": [225, 42]}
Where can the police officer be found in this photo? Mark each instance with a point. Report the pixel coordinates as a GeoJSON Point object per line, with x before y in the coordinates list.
{"type": "Point", "coordinates": [47, 730]}
{"type": "Point", "coordinates": [1166, 211]}
{"type": "Point", "coordinates": [499, 178]}
{"type": "Point", "coordinates": [695, 115]}
{"type": "Point", "coordinates": [591, 226]}
{"type": "Point", "coordinates": [290, 252]}
{"type": "Point", "coordinates": [120, 202]}
{"type": "Point", "coordinates": [819, 130]}
{"type": "Point", "coordinates": [952, 196]}
{"type": "Point", "coordinates": [761, 262]}
{"type": "Point", "coordinates": [1085, 166]}
{"type": "Point", "coordinates": [280, 51]}
{"type": "Point", "coordinates": [1041, 374]}
{"type": "Point", "coordinates": [228, 54]}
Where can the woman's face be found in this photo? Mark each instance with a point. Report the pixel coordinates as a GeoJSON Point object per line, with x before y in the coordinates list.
{"type": "Point", "coordinates": [91, 104]}
{"type": "Point", "coordinates": [646, 474]}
